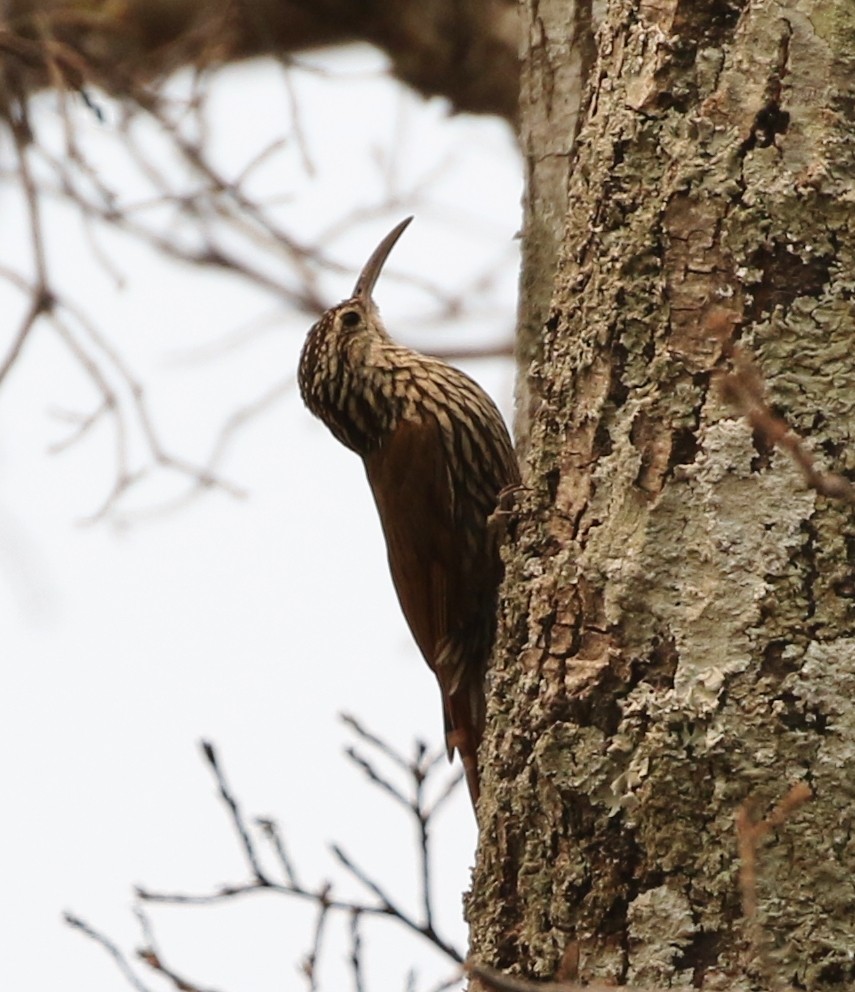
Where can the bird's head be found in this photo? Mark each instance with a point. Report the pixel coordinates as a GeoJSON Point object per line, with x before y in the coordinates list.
{"type": "Point", "coordinates": [359, 313]}
{"type": "Point", "coordinates": [334, 368]}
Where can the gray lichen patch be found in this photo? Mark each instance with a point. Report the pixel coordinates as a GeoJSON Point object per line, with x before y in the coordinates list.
{"type": "Point", "coordinates": [662, 912]}
{"type": "Point", "coordinates": [691, 574]}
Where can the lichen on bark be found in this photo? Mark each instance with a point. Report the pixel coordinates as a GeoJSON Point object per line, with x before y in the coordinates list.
{"type": "Point", "coordinates": [676, 631]}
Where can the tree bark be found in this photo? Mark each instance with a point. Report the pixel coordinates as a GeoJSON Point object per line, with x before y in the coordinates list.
{"type": "Point", "coordinates": [463, 50]}
{"type": "Point", "coordinates": [557, 53]}
{"type": "Point", "coordinates": [677, 632]}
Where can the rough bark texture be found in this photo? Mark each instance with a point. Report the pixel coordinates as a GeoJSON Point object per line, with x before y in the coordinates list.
{"type": "Point", "coordinates": [557, 52]}
{"type": "Point", "coordinates": [464, 50]}
{"type": "Point", "coordinates": [678, 627]}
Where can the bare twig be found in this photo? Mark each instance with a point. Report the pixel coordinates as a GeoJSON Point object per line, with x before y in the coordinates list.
{"type": "Point", "coordinates": [310, 962]}
{"type": "Point", "coordinates": [419, 773]}
{"type": "Point", "coordinates": [153, 961]}
{"type": "Point", "coordinates": [322, 897]}
{"type": "Point", "coordinates": [451, 785]}
{"type": "Point", "coordinates": [379, 780]}
{"type": "Point", "coordinates": [385, 748]}
{"type": "Point", "coordinates": [38, 306]}
{"type": "Point", "coordinates": [274, 835]}
{"type": "Point", "coordinates": [237, 817]}
{"type": "Point", "coordinates": [749, 834]}
{"type": "Point", "coordinates": [202, 213]}
{"type": "Point", "coordinates": [243, 416]}
{"type": "Point", "coordinates": [122, 398]}
{"type": "Point", "coordinates": [356, 953]}
{"type": "Point", "coordinates": [150, 955]}
{"type": "Point", "coordinates": [453, 981]}
{"type": "Point", "coordinates": [418, 769]}
{"type": "Point", "coordinates": [42, 298]}
{"type": "Point", "coordinates": [743, 389]}
{"type": "Point", "coordinates": [117, 955]}
{"type": "Point", "coordinates": [390, 908]}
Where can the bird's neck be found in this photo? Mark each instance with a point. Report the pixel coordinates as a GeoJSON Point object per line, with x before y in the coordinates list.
{"type": "Point", "coordinates": [366, 395]}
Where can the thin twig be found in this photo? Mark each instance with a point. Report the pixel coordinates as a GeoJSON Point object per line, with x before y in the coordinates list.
{"type": "Point", "coordinates": [349, 720]}
{"type": "Point", "coordinates": [392, 909]}
{"type": "Point", "coordinates": [419, 772]}
{"type": "Point", "coordinates": [237, 818]}
{"type": "Point", "coordinates": [271, 830]}
{"type": "Point", "coordinates": [262, 881]}
{"type": "Point", "coordinates": [310, 962]}
{"type": "Point", "coordinates": [418, 769]}
{"type": "Point", "coordinates": [151, 956]}
{"type": "Point", "coordinates": [117, 955]}
{"type": "Point", "coordinates": [356, 953]}
{"type": "Point", "coordinates": [371, 773]}
{"type": "Point", "coordinates": [42, 298]}
{"type": "Point", "coordinates": [743, 388]}
{"type": "Point", "coordinates": [447, 792]}
{"type": "Point", "coordinates": [151, 959]}
{"type": "Point", "coordinates": [36, 309]}
{"type": "Point", "coordinates": [749, 834]}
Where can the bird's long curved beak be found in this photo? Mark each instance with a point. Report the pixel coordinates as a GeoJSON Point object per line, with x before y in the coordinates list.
{"type": "Point", "coordinates": [371, 270]}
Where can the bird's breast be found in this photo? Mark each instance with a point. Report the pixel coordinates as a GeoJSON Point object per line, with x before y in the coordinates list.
{"type": "Point", "coordinates": [361, 404]}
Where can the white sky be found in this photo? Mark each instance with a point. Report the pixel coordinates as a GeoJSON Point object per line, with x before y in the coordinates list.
{"type": "Point", "coordinates": [252, 622]}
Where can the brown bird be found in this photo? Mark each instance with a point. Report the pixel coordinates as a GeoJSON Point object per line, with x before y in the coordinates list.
{"type": "Point", "coordinates": [437, 455]}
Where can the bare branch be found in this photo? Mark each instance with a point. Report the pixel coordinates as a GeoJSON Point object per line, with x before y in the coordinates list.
{"type": "Point", "coordinates": [310, 962]}
{"type": "Point", "coordinates": [449, 983]}
{"type": "Point", "coordinates": [431, 809]}
{"type": "Point", "coordinates": [186, 206]}
{"type": "Point", "coordinates": [42, 300]}
{"type": "Point", "coordinates": [150, 958]}
{"type": "Point", "coordinates": [321, 896]}
{"type": "Point", "coordinates": [418, 770]}
{"type": "Point", "coordinates": [237, 818]}
{"type": "Point", "coordinates": [356, 953]}
{"type": "Point", "coordinates": [371, 772]}
{"type": "Point", "coordinates": [390, 908]}
{"type": "Point", "coordinates": [274, 835]}
{"type": "Point", "coordinates": [750, 831]}
{"type": "Point", "coordinates": [423, 825]}
{"type": "Point", "coordinates": [117, 955]}
{"type": "Point", "coordinates": [743, 389]}
{"type": "Point", "coordinates": [385, 748]}
{"type": "Point", "coordinates": [37, 308]}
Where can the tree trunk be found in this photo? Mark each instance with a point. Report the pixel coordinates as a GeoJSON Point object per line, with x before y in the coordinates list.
{"type": "Point", "coordinates": [677, 635]}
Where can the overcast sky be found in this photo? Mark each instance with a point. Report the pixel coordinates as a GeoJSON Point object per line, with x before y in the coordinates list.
{"type": "Point", "coordinates": [250, 622]}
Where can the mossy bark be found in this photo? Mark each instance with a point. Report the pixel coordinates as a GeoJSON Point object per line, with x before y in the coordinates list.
{"type": "Point", "coordinates": [677, 633]}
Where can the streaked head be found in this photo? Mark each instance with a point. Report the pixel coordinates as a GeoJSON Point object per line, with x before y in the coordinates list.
{"type": "Point", "coordinates": [336, 341]}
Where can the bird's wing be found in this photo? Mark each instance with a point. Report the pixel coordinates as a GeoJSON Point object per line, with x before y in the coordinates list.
{"type": "Point", "coordinates": [435, 485]}
{"type": "Point", "coordinates": [410, 481]}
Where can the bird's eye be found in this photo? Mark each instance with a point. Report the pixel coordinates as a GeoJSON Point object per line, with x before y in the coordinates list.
{"type": "Point", "coordinates": [350, 318]}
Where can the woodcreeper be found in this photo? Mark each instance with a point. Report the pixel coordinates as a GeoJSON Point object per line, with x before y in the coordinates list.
{"type": "Point", "coordinates": [437, 455]}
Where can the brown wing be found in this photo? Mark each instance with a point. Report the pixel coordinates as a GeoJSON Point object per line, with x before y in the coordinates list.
{"type": "Point", "coordinates": [414, 492]}
{"type": "Point", "coordinates": [411, 489]}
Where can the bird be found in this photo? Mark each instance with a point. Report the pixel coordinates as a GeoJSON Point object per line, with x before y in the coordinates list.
{"type": "Point", "coordinates": [438, 457]}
